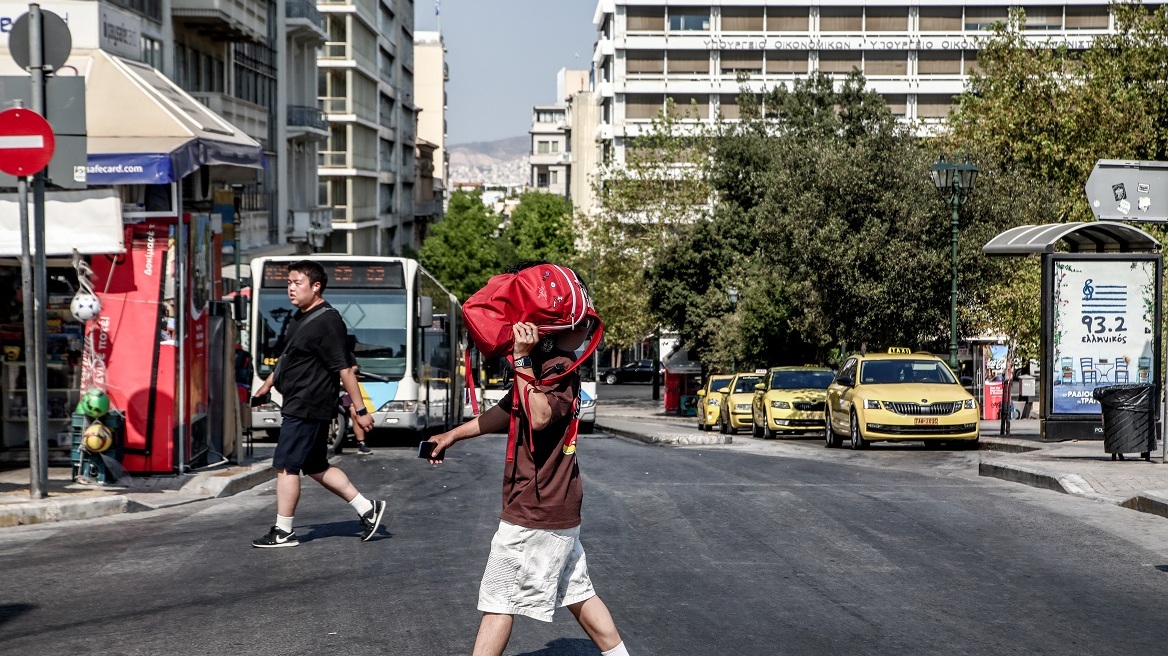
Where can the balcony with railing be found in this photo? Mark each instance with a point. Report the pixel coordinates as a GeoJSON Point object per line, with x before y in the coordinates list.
{"type": "Point", "coordinates": [305, 21]}
{"type": "Point", "coordinates": [224, 20]}
{"type": "Point", "coordinates": [308, 123]}
{"type": "Point", "coordinates": [427, 208]}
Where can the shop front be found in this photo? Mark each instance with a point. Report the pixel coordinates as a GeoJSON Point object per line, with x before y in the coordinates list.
{"type": "Point", "coordinates": [161, 344]}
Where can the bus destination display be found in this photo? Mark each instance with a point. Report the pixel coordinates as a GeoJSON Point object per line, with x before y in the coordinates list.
{"type": "Point", "coordinates": [348, 275]}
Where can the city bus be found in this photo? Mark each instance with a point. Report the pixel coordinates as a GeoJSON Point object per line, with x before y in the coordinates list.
{"type": "Point", "coordinates": [405, 330]}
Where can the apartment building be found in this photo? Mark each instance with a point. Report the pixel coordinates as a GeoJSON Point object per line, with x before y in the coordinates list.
{"type": "Point", "coordinates": [433, 171]}
{"type": "Point", "coordinates": [551, 136]}
{"type": "Point", "coordinates": [916, 53]}
{"type": "Point", "coordinates": [366, 81]}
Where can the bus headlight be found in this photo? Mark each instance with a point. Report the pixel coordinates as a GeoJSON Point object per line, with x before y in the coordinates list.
{"type": "Point", "coordinates": [399, 406]}
{"type": "Point", "coordinates": [588, 404]}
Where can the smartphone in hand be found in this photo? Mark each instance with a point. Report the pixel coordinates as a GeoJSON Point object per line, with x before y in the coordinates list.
{"type": "Point", "coordinates": [257, 401]}
{"type": "Point", "coordinates": [426, 448]}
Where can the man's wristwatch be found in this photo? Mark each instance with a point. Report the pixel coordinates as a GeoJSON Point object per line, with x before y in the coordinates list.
{"type": "Point", "coordinates": [362, 412]}
{"type": "Point", "coordinates": [525, 361]}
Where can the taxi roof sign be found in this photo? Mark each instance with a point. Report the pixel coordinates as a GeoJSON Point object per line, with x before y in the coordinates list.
{"type": "Point", "coordinates": [760, 372]}
{"type": "Point", "coordinates": [900, 350]}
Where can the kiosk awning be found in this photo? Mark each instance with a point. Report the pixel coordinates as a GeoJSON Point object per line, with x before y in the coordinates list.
{"type": "Point", "coordinates": [1089, 237]}
{"type": "Point", "coordinates": [89, 221]}
{"type": "Point", "coordinates": [143, 128]}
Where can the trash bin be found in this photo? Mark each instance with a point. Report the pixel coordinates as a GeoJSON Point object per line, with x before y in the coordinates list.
{"type": "Point", "coordinates": [1129, 419]}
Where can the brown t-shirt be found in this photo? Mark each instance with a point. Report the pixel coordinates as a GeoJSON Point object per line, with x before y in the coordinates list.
{"type": "Point", "coordinates": [541, 488]}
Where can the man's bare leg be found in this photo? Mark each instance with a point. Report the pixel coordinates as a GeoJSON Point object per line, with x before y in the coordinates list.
{"type": "Point", "coordinates": [334, 480]}
{"type": "Point", "coordinates": [287, 493]}
{"type": "Point", "coordinates": [596, 621]}
{"type": "Point", "coordinates": [494, 632]}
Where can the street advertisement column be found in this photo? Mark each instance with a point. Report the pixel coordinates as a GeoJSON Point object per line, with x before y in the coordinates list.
{"type": "Point", "coordinates": [134, 340]}
{"type": "Point", "coordinates": [1103, 315]}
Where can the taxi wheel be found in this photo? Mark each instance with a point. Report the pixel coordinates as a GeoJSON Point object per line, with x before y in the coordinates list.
{"type": "Point", "coordinates": [767, 433]}
{"type": "Point", "coordinates": [858, 441]}
{"type": "Point", "coordinates": [724, 428]}
{"type": "Point", "coordinates": [830, 437]}
{"type": "Point", "coordinates": [756, 431]}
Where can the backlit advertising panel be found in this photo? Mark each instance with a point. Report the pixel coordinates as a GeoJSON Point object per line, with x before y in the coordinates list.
{"type": "Point", "coordinates": [1103, 314]}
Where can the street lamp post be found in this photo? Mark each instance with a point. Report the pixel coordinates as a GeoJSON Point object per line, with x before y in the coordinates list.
{"type": "Point", "coordinates": [955, 183]}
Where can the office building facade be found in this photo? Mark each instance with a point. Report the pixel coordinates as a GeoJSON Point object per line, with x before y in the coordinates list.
{"type": "Point", "coordinates": [916, 53]}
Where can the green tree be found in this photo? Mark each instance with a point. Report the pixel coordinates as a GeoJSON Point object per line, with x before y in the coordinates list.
{"type": "Point", "coordinates": [1048, 114]}
{"type": "Point", "coordinates": [461, 250]}
{"type": "Point", "coordinates": [644, 202]}
{"type": "Point", "coordinates": [541, 228]}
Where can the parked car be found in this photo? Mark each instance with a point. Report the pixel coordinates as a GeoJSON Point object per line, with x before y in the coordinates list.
{"type": "Point", "coordinates": [899, 396]}
{"type": "Point", "coordinates": [736, 401]}
{"type": "Point", "coordinates": [710, 400]}
{"type": "Point", "coordinates": [637, 371]}
{"type": "Point", "coordinates": [790, 400]}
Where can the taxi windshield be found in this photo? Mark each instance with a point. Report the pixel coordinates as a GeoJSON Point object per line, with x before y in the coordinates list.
{"type": "Point", "coordinates": [746, 384]}
{"type": "Point", "coordinates": [884, 372]}
{"type": "Point", "coordinates": [716, 385]}
{"type": "Point", "coordinates": [789, 380]}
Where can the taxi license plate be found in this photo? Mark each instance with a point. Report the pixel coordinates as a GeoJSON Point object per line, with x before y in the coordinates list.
{"type": "Point", "coordinates": [927, 421]}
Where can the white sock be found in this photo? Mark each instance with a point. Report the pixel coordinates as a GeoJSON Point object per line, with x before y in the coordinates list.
{"type": "Point", "coordinates": [618, 650]}
{"type": "Point", "coordinates": [284, 523]}
{"type": "Point", "coordinates": [361, 504]}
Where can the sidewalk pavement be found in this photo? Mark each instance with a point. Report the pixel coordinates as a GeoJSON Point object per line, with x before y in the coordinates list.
{"type": "Point", "coordinates": [69, 500]}
{"type": "Point", "coordinates": [1078, 467]}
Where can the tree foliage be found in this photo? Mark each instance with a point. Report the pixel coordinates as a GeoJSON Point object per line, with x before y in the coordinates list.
{"type": "Point", "coordinates": [541, 228]}
{"type": "Point", "coordinates": [657, 191]}
{"type": "Point", "coordinates": [831, 232]}
{"type": "Point", "coordinates": [461, 250]}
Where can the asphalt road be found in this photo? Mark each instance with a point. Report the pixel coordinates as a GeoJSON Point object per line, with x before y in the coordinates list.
{"type": "Point", "coordinates": [712, 550]}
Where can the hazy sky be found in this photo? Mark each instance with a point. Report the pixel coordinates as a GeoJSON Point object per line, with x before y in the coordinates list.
{"type": "Point", "coordinates": [503, 57]}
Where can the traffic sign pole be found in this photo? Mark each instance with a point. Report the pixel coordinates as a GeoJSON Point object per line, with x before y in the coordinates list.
{"type": "Point", "coordinates": [38, 449]}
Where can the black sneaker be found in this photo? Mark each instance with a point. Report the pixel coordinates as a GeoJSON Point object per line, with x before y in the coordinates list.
{"type": "Point", "coordinates": [371, 520]}
{"type": "Point", "coordinates": [276, 538]}
{"type": "Point", "coordinates": [363, 449]}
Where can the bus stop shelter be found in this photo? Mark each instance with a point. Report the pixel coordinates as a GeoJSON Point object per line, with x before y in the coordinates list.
{"type": "Point", "coordinates": [1101, 318]}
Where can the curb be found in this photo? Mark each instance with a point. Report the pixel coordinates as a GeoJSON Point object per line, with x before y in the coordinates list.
{"type": "Point", "coordinates": [1155, 503]}
{"type": "Point", "coordinates": [56, 510]}
{"type": "Point", "coordinates": [679, 439]}
{"type": "Point", "coordinates": [200, 488]}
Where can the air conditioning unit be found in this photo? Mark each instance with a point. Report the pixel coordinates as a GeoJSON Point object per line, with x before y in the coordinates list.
{"type": "Point", "coordinates": [196, 187]}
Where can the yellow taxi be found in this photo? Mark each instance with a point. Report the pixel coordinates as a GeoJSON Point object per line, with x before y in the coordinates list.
{"type": "Point", "coordinates": [899, 396]}
{"type": "Point", "coordinates": [790, 400]}
{"type": "Point", "coordinates": [710, 400]}
{"type": "Point", "coordinates": [737, 399]}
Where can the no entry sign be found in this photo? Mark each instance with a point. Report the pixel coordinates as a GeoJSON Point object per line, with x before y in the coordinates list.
{"type": "Point", "coordinates": [26, 142]}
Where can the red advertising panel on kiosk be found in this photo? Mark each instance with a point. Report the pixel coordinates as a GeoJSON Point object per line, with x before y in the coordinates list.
{"type": "Point", "coordinates": [136, 336]}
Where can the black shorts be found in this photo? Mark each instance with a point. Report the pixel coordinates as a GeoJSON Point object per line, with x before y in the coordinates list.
{"type": "Point", "coordinates": [302, 447]}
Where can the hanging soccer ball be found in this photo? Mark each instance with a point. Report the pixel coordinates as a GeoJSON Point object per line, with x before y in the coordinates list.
{"type": "Point", "coordinates": [93, 403]}
{"type": "Point", "coordinates": [97, 438]}
{"type": "Point", "coordinates": [85, 306]}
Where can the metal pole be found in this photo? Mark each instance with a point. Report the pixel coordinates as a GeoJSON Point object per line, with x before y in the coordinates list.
{"type": "Point", "coordinates": [956, 201]}
{"type": "Point", "coordinates": [36, 60]}
{"type": "Point", "coordinates": [180, 319]}
{"type": "Point", "coordinates": [36, 487]}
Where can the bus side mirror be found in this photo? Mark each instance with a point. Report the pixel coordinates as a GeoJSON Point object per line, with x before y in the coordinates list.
{"type": "Point", "coordinates": [239, 306]}
{"type": "Point", "coordinates": [426, 312]}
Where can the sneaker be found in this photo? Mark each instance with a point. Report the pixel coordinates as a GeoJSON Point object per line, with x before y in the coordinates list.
{"type": "Point", "coordinates": [371, 520]}
{"type": "Point", "coordinates": [276, 538]}
{"type": "Point", "coordinates": [363, 449]}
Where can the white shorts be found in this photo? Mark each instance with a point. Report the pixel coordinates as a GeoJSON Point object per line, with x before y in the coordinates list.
{"type": "Point", "coordinates": [532, 571]}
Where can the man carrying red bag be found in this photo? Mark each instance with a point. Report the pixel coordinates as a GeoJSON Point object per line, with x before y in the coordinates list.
{"type": "Point", "coordinates": [537, 562]}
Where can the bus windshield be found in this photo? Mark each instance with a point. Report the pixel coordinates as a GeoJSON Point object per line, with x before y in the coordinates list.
{"type": "Point", "coordinates": [376, 317]}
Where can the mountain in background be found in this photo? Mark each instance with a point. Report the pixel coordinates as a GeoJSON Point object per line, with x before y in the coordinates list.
{"type": "Point", "coordinates": [500, 162]}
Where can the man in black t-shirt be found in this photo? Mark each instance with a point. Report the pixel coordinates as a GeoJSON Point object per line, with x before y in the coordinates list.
{"type": "Point", "coordinates": [316, 361]}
